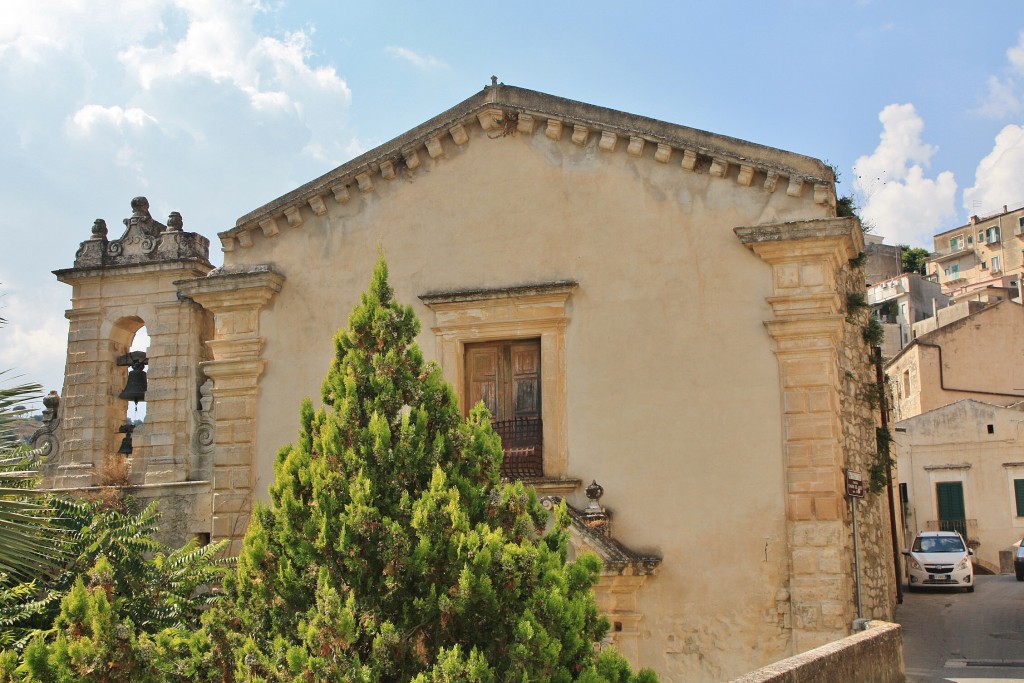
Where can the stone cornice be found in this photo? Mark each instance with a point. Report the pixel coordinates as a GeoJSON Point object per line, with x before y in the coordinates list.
{"type": "Point", "coordinates": [817, 332]}
{"type": "Point", "coordinates": [501, 111]}
{"type": "Point", "coordinates": [223, 289]}
{"type": "Point", "coordinates": [823, 228]}
{"type": "Point", "coordinates": [562, 287]}
{"type": "Point", "coordinates": [194, 266]}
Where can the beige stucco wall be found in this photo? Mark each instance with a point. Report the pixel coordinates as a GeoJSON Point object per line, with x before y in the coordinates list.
{"type": "Point", "coordinates": [982, 358]}
{"type": "Point", "coordinates": [673, 390]}
{"type": "Point", "coordinates": [952, 443]}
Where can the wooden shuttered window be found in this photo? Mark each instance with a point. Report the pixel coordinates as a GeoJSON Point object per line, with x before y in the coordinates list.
{"type": "Point", "coordinates": [506, 376]}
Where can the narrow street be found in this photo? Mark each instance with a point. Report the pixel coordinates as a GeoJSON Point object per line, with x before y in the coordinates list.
{"type": "Point", "coordinates": [952, 636]}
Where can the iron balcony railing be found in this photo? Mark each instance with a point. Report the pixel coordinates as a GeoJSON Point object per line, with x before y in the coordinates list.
{"type": "Point", "coordinates": [522, 440]}
{"type": "Point", "coordinates": [963, 526]}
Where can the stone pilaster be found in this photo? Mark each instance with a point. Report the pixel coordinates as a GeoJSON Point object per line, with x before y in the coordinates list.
{"type": "Point", "coordinates": [87, 424]}
{"type": "Point", "coordinates": [235, 300]}
{"type": "Point", "coordinates": [808, 301]}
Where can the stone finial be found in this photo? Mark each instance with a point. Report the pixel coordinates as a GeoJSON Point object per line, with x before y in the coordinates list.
{"type": "Point", "coordinates": [50, 403]}
{"type": "Point", "coordinates": [99, 229]}
{"type": "Point", "coordinates": [596, 516]}
{"type": "Point", "coordinates": [494, 81]}
{"type": "Point", "coordinates": [140, 207]}
{"type": "Point", "coordinates": [174, 222]}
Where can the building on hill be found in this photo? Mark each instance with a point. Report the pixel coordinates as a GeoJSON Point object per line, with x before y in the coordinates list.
{"type": "Point", "coordinates": [979, 356]}
{"type": "Point", "coordinates": [657, 308]}
{"type": "Point", "coordinates": [900, 302]}
{"type": "Point", "coordinates": [884, 261]}
{"type": "Point", "coordinates": [962, 469]}
{"type": "Point", "coordinates": [983, 260]}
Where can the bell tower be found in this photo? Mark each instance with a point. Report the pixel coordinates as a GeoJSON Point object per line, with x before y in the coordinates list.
{"type": "Point", "coordinates": [119, 286]}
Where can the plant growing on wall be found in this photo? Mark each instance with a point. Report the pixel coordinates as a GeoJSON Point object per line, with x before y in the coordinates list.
{"type": "Point", "coordinates": [879, 471]}
{"type": "Point", "coordinates": [391, 551]}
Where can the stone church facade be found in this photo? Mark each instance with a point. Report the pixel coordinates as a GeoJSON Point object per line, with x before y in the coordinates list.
{"type": "Point", "coordinates": [648, 307]}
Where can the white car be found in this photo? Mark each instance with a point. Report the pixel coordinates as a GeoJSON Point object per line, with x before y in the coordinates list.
{"type": "Point", "coordinates": [940, 559]}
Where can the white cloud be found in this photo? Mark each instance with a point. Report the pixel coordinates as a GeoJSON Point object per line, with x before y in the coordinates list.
{"type": "Point", "coordinates": [997, 178]}
{"type": "Point", "coordinates": [34, 338]}
{"type": "Point", "coordinates": [1002, 100]}
{"type": "Point", "coordinates": [220, 44]}
{"type": "Point", "coordinates": [32, 30]}
{"type": "Point", "coordinates": [1005, 95]}
{"type": "Point", "coordinates": [92, 116]}
{"type": "Point", "coordinates": [1016, 54]}
{"type": "Point", "coordinates": [424, 62]}
{"type": "Point", "coordinates": [195, 104]}
{"type": "Point", "coordinates": [355, 147]}
{"type": "Point", "coordinates": [896, 196]}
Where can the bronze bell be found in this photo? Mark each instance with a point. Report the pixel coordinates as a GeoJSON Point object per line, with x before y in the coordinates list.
{"type": "Point", "coordinates": [135, 389]}
{"type": "Point", "coordinates": [126, 443]}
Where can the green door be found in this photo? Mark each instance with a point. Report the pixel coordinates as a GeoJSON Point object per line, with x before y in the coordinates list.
{"type": "Point", "coordinates": [952, 516]}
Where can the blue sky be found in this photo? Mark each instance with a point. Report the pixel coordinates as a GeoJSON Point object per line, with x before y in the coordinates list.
{"type": "Point", "coordinates": [214, 108]}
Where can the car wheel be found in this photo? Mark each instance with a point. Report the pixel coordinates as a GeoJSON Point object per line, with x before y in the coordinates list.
{"type": "Point", "coordinates": [911, 589]}
{"type": "Point", "coordinates": [970, 589]}
{"type": "Point", "coordinates": [1020, 576]}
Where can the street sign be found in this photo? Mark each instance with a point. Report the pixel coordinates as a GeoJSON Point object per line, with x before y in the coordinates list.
{"type": "Point", "coordinates": [854, 484]}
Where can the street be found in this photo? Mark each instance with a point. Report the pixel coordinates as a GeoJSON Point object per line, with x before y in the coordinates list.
{"type": "Point", "coordinates": [952, 636]}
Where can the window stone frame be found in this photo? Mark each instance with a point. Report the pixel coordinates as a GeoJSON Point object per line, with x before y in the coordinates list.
{"type": "Point", "coordinates": [509, 313]}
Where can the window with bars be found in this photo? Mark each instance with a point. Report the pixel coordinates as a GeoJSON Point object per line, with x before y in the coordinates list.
{"type": "Point", "coordinates": [506, 376]}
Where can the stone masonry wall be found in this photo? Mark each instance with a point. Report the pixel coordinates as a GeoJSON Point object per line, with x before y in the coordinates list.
{"type": "Point", "coordinates": [859, 408]}
{"type": "Point", "coordinates": [874, 655]}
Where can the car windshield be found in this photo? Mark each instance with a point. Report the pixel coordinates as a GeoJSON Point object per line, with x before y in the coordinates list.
{"type": "Point", "coordinates": [938, 544]}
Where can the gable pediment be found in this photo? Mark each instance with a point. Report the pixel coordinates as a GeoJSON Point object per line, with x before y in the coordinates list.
{"type": "Point", "coordinates": [501, 111]}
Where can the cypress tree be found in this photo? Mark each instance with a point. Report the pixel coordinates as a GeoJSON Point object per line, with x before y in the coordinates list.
{"type": "Point", "coordinates": [391, 550]}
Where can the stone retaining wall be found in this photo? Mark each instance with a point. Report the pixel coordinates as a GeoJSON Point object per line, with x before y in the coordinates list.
{"type": "Point", "coordinates": [873, 655]}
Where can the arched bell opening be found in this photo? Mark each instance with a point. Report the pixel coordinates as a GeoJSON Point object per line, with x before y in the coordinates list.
{"type": "Point", "coordinates": [130, 345]}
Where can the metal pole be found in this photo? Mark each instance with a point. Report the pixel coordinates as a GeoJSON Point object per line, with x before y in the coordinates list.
{"type": "Point", "coordinates": [883, 409]}
{"type": "Point", "coordinates": [856, 556]}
